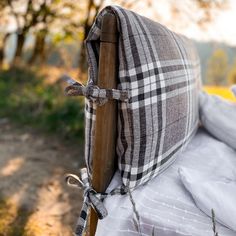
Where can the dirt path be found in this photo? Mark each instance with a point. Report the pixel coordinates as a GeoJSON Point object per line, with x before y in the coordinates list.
{"type": "Point", "coordinates": [34, 200]}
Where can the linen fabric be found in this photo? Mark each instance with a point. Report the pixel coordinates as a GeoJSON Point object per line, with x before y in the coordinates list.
{"type": "Point", "coordinates": [218, 116]}
{"type": "Point", "coordinates": [213, 190]}
{"type": "Point", "coordinates": [166, 207]}
{"type": "Point", "coordinates": [160, 71]}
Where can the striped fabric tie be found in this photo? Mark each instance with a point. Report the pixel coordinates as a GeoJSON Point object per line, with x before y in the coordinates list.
{"type": "Point", "coordinates": [98, 95]}
{"type": "Point", "coordinates": [91, 199]}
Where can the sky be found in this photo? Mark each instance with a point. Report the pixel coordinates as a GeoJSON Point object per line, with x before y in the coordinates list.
{"type": "Point", "coordinates": [221, 29]}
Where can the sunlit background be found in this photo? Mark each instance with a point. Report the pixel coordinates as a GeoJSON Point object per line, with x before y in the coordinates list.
{"type": "Point", "coordinates": [50, 33]}
{"type": "Point", "coordinates": [41, 131]}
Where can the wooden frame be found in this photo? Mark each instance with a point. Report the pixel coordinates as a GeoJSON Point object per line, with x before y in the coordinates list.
{"type": "Point", "coordinates": [104, 155]}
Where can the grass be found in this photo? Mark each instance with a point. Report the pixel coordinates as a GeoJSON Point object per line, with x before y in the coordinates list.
{"type": "Point", "coordinates": [27, 98]}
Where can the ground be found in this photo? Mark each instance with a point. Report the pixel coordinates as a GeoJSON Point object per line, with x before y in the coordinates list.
{"type": "Point", "coordinates": [34, 200]}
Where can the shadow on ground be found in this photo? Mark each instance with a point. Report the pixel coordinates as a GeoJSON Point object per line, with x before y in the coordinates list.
{"type": "Point", "coordinates": [34, 199]}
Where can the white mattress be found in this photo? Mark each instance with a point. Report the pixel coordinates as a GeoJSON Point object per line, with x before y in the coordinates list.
{"type": "Point", "coordinates": [164, 205]}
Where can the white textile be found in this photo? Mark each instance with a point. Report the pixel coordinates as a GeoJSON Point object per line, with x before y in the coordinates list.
{"type": "Point", "coordinates": [164, 205]}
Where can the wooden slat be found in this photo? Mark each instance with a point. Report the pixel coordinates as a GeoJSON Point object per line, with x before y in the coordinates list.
{"type": "Point", "coordinates": [104, 156]}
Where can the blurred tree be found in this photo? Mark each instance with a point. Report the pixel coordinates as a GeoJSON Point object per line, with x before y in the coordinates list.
{"type": "Point", "coordinates": [205, 10]}
{"type": "Point", "coordinates": [232, 74]}
{"type": "Point", "coordinates": [58, 14]}
{"type": "Point", "coordinates": [25, 20]}
{"type": "Point", "coordinates": [4, 34]}
{"type": "Point", "coordinates": [39, 47]}
{"type": "Point", "coordinates": [48, 19]}
{"type": "Point", "coordinates": [3, 40]}
{"type": "Point", "coordinates": [217, 67]}
{"type": "Point", "coordinates": [47, 15]}
{"type": "Point", "coordinates": [38, 17]}
{"type": "Point", "coordinates": [26, 14]}
{"type": "Point", "coordinates": [209, 7]}
{"type": "Point", "coordinates": [93, 8]}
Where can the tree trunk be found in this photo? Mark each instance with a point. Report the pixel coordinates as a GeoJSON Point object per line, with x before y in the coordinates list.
{"type": "Point", "coordinates": [3, 44]}
{"type": "Point", "coordinates": [1, 56]}
{"type": "Point", "coordinates": [39, 48]}
{"type": "Point", "coordinates": [19, 47]}
{"type": "Point", "coordinates": [82, 55]}
{"type": "Point", "coordinates": [87, 25]}
{"type": "Point", "coordinates": [92, 11]}
{"type": "Point", "coordinates": [82, 60]}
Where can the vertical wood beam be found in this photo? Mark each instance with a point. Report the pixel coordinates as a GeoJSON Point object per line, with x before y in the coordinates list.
{"type": "Point", "coordinates": [104, 154]}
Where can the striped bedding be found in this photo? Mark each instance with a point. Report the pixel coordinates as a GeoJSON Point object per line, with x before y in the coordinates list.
{"type": "Point", "coordinates": [164, 206]}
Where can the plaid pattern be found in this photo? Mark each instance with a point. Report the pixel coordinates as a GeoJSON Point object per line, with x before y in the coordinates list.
{"type": "Point", "coordinates": [96, 94]}
{"type": "Point", "coordinates": [161, 71]}
{"type": "Point", "coordinates": [91, 198]}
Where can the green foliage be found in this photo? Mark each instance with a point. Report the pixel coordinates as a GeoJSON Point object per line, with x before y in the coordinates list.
{"type": "Point", "coordinates": [26, 98]}
{"type": "Point", "coordinates": [217, 67]}
{"type": "Point", "coordinates": [232, 74]}
{"type": "Point", "coordinates": [66, 37]}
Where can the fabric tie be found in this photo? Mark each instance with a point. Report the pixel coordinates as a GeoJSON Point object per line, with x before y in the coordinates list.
{"type": "Point", "coordinates": [91, 198]}
{"type": "Point", "coordinates": [94, 93]}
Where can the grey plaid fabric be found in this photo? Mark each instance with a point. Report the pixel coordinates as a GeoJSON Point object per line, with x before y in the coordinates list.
{"type": "Point", "coordinates": [91, 198]}
{"type": "Point", "coordinates": [157, 93]}
{"type": "Point", "coordinates": [161, 71]}
{"type": "Point", "coordinates": [94, 93]}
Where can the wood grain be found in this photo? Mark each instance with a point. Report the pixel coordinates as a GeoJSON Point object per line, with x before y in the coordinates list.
{"type": "Point", "coordinates": [104, 155]}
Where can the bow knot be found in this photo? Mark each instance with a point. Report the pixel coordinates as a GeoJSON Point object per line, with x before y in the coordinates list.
{"type": "Point", "coordinates": [91, 198]}
{"type": "Point", "coordinates": [94, 93]}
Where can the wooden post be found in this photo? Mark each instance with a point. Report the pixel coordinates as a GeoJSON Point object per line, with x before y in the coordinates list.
{"type": "Point", "coordinates": [104, 155]}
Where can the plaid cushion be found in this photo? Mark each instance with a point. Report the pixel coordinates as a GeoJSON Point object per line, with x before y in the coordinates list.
{"type": "Point", "coordinates": [161, 72]}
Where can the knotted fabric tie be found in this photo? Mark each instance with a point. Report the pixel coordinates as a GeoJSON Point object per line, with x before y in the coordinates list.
{"type": "Point", "coordinates": [91, 198]}
{"type": "Point", "coordinates": [96, 94]}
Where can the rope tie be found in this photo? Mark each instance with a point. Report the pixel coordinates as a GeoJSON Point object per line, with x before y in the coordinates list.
{"type": "Point", "coordinates": [91, 199]}
{"type": "Point", "coordinates": [96, 94]}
